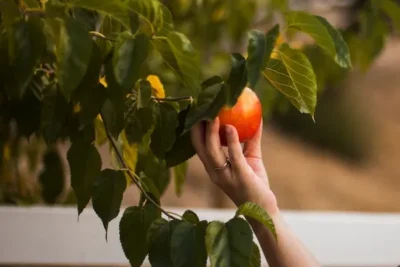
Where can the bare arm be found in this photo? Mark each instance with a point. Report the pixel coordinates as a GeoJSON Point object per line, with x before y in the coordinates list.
{"type": "Point", "coordinates": [245, 179]}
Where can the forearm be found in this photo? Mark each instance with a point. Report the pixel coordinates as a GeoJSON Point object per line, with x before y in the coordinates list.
{"type": "Point", "coordinates": [287, 250]}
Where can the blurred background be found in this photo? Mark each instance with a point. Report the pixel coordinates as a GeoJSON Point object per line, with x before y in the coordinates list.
{"type": "Point", "coordinates": [347, 160]}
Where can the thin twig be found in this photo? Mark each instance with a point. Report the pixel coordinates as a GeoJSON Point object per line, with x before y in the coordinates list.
{"type": "Point", "coordinates": [174, 99]}
{"type": "Point", "coordinates": [130, 173]}
{"type": "Point", "coordinates": [102, 36]}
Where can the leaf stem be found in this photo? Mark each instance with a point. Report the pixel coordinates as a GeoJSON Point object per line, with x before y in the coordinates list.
{"type": "Point", "coordinates": [102, 36]}
{"type": "Point", "coordinates": [174, 99]}
{"type": "Point", "coordinates": [131, 174]}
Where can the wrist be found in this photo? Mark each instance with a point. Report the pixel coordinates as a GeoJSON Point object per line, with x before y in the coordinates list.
{"type": "Point", "coordinates": [266, 200]}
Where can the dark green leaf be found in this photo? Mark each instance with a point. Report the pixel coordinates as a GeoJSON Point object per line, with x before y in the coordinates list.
{"type": "Point", "coordinates": [179, 54]}
{"type": "Point", "coordinates": [229, 244]}
{"type": "Point", "coordinates": [129, 54]}
{"type": "Point", "coordinates": [133, 228]}
{"type": "Point", "coordinates": [292, 74]}
{"type": "Point", "coordinates": [191, 217]}
{"type": "Point", "coordinates": [271, 37]}
{"type": "Point", "coordinates": [254, 211]}
{"type": "Point", "coordinates": [327, 37]}
{"type": "Point", "coordinates": [107, 195]}
{"type": "Point", "coordinates": [237, 79]}
{"type": "Point", "coordinates": [144, 94]}
{"type": "Point", "coordinates": [74, 50]}
{"type": "Point", "coordinates": [209, 103]}
{"type": "Point", "coordinates": [255, 260]}
{"type": "Point", "coordinates": [137, 122]}
{"type": "Point", "coordinates": [163, 136]}
{"type": "Point", "coordinates": [26, 45]}
{"type": "Point", "coordinates": [149, 186]}
{"type": "Point", "coordinates": [113, 117]}
{"type": "Point", "coordinates": [77, 132]}
{"type": "Point", "coordinates": [181, 150]}
{"type": "Point", "coordinates": [115, 9]}
{"type": "Point", "coordinates": [27, 113]}
{"type": "Point", "coordinates": [159, 240]}
{"type": "Point", "coordinates": [188, 245]}
{"type": "Point", "coordinates": [85, 164]}
{"type": "Point", "coordinates": [257, 57]}
{"type": "Point", "coordinates": [154, 169]}
{"type": "Point", "coordinates": [52, 177]}
{"type": "Point", "coordinates": [180, 177]}
{"type": "Point", "coordinates": [54, 114]}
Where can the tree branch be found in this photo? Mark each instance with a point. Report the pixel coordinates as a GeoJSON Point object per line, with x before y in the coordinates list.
{"type": "Point", "coordinates": [133, 178]}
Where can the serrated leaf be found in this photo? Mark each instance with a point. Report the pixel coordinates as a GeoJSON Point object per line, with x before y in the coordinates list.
{"type": "Point", "coordinates": [254, 211]}
{"type": "Point", "coordinates": [73, 52]}
{"type": "Point", "coordinates": [163, 136]}
{"type": "Point", "coordinates": [26, 46]}
{"type": "Point", "coordinates": [292, 74]}
{"type": "Point", "coordinates": [133, 228]}
{"type": "Point", "coordinates": [209, 103]}
{"type": "Point", "coordinates": [179, 54]}
{"type": "Point", "coordinates": [188, 245]}
{"type": "Point", "coordinates": [85, 164]}
{"type": "Point", "coordinates": [159, 240]}
{"type": "Point", "coordinates": [128, 57]}
{"type": "Point", "coordinates": [237, 79]}
{"type": "Point", "coordinates": [324, 34]}
{"type": "Point", "coordinates": [255, 260]}
{"type": "Point", "coordinates": [229, 244]}
{"type": "Point", "coordinates": [144, 94]}
{"type": "Point", "coordinates": [191, 217]}
{"type": "Point", "coordinates": [107, 195]}
{"type": "Point", "coordinates": [115, 9]}
{"type": "Point", "coordinates": [52, 177]}
{"type": "Point", "coordinates": [54, 114]}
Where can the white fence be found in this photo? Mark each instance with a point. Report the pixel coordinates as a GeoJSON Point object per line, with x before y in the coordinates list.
{"type": "Point", "coordinates": [42, 235]}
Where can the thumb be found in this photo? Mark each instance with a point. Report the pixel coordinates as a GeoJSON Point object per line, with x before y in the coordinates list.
{"type": "Point", "coordinates": [252, 148]}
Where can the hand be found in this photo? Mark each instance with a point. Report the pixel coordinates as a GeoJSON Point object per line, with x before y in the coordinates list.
{"type": "Point", "coordinates": [245, 178]}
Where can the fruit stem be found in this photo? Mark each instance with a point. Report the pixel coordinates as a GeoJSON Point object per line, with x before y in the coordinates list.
{"type": "Point", "coordinates": [133, 176]}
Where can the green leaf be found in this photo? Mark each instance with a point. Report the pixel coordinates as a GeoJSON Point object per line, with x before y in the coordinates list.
{"type": "Point", "coordinates": [391, 9]}
{"type": "Point", "coordinates": [179, 54]}
{"type": "Point", "coordinates": [9, 12]}
{"type": "Point", "coordinates": [128, 57]}
{"type": "Point", "coordinates": [113, 117]}
{"type": "Point", "coordinates": [237, 79]}
{"type": "Point", "coordinates": [144, 94]}
{"type": "Point", "coordinates": [259, 49]}
{"type": "Point", "coordinates": [107, 195]}
{"type": "Point", "coordinates": [188, 246]}
{"type": "Point", "coordinates": [54, 114]}
{"type": "Point", "coordinates": [74, 50]}
{"type": "Point", "coordinates": [255, 260]}
{"type": "Point", "coordinates": [209, 103]}
{"type": "Point", "coordinates": [52, 177]}
{"type": "Point", "coordinates": [180, 177]}
{"type": "Point", "coordinates": [182, 149]}
{"type": "Point", "coordinates": [326, 36]}
{"type": "Point", "coordinates": [229, 244]}
{"type": "Point", "coordinates": [85, 164]}
{"type": "Point", "coordinates": [138, 121]}
{"type": "Point", "coordinates": [149, 186]}
{"type": "Point", "coordinates": [133, 228]}
{"type": "Point", "coordinates": [159, 240]}
{"type": "Point", "coordinates": [191, 217]}
{"type": "Point", "coordinates": [292, 74]}
{"type": "Point", "coordinates": [254, 211]}
{"type": "Point", "coordinates": [26, 46]}
{"type": "Point", "coordinates": [155, 169]}
{"type": "Point", "coordinates": [163, 136]}
{"type": "Point", "coordinates": [115, 9]}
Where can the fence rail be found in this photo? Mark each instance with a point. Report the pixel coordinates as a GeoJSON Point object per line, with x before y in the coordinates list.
{"type": "Point", "coordinates": [44, 235]}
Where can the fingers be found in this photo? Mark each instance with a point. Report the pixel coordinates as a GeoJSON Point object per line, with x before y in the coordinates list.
{"type": "Point", "coordinates": [252, 148]}
{"type": "Point", "coordinates": [236, 156]}
{"type": "Point", "coordinates": [198, 140]}
{"type": "Point", "coordinates": [216, 155]}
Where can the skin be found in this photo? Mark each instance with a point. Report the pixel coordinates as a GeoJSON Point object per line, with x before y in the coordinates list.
{"type": "Point", "coordinates": [246, 180]}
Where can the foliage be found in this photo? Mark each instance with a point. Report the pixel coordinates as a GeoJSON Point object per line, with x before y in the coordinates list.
{"type": "Point", "coordinates": [126, 74]}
